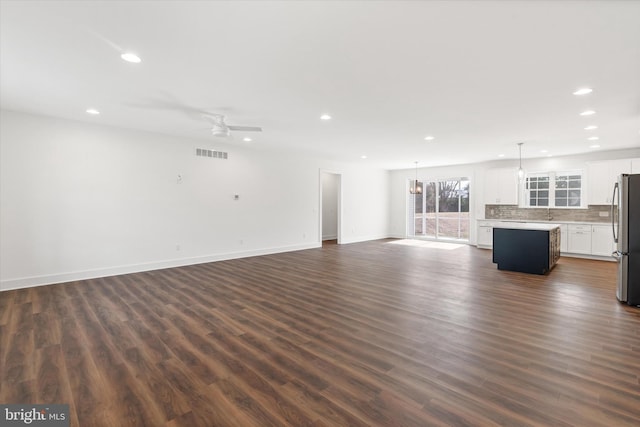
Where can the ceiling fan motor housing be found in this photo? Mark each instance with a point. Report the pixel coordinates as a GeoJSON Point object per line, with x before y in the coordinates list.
{"type": "Point", "coordinates": [218, 130]}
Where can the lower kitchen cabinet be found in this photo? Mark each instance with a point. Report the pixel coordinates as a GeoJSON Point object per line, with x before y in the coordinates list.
{"type": "Point", "coordinates": [579, 239]}
{"type": "Point", "coordinates": [601, 240]}
{"type": "Point", "coordinates": [485, 235]}
{"type": "Point", "coordinates": [576, 239]}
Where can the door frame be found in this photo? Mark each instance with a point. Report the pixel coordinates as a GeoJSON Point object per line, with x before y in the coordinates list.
{"type": "Point", "coordinates": [338, 204]}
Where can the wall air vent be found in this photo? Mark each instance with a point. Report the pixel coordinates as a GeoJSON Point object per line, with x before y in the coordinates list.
{"type": "Point", "coordinates": [203, 152]}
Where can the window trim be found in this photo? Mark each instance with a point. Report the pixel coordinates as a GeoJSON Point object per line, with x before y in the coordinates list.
{"type": "Point", "coordinates": [411, 207]}
{"type": "Point", "coordinates": [552, 189]}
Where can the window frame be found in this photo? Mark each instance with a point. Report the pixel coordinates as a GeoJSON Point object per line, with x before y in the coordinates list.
{"type": "Point", "coordinates": [552, 188]}
{"type": "Point", "coordinates": [437, 215]}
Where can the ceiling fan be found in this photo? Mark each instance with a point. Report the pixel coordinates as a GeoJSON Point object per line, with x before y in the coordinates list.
{"type": "Point", "coordinates": [220, 128]}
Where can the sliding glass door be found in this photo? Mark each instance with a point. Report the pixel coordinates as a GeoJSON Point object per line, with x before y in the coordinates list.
{"type": "Point", "coordinates": [424, 217]}
{"type": "Point", "coordinates": [441, 211]}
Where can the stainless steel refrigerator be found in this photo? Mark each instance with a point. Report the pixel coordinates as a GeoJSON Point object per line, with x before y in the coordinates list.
{"type": "Point", "coordinates": [626, 235]}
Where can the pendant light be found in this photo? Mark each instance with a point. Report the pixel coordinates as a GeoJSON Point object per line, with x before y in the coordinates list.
{"type": "Point", "coordinates": [520, 170]}
{"type": "Point", "coordinates": [415, 187]}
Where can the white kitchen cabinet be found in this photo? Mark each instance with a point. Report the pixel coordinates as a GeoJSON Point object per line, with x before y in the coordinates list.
{"type": "Point", "coordinates": [601, 240]}
{"type": "Point", "coordinates": [576, 239]}
{"type": "Point", "coordinates": [579, 239]}
{"type": "Point", "coordinates": [601, 176]}
{"type": "Point", "coordinates": [597, 188]}
{"type": "Point", "coordinates": [485, 235]}
{"type": "Point", "coordinates": [635, 165]}
{"type": "Point", "coordinates": [501, 186]}
{"type": "Point", "coordinates": [564, 238]}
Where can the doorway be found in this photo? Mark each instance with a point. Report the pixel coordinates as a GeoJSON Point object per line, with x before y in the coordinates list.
{"type": "Point", "coordinates": [441, 211]}
{"type": "Point", "coordinates": [330, 212]}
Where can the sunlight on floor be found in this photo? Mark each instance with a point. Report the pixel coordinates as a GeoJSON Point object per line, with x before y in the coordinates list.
{"type": "Point", "coordinates": [427, 244]}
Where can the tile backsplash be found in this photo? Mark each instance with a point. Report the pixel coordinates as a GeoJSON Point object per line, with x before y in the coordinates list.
{"type": "Point", "coordinates": [594, 213]}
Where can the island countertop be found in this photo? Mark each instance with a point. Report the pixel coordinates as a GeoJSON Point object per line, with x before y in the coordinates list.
{"type": "Point", "coordinates": [527, 226]}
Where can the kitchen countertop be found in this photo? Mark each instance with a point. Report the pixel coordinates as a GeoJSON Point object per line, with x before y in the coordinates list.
{"type": "Point", "coordinates": [546, 222]}
{"type": "Point", "coordinates": [528, 226]}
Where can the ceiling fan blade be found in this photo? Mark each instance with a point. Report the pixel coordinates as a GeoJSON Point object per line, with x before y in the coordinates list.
{"type": "Point", "coordinates": [246, 128]}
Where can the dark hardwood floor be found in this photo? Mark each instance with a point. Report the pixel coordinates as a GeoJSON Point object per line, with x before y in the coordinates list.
{"type": "Point", "coordinates": [364, 334]}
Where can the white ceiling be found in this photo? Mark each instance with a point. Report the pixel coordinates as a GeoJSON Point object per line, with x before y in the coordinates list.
{"type": "Point", "coordinates": [478, 75]}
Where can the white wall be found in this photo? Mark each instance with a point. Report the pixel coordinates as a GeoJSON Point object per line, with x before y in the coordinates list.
{"type": "Point", "coordinates": [476, 172]}
{"type": "Point", "coordinates": [330, 183]}
{"type": "Point", "coordinates": [79, 200]}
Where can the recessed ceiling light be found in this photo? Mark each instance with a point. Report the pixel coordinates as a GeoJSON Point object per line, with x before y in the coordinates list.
{"type": "Point", "coordinates": [587, 113]}
{"type": "Point", "coordinates": [594, 146]}
{"type": "Point", "coordinates": [583, 91]}
{"type": "Point", "coordinates": [363, 157]}
{"type": "Point", "coordinates": [500, 155]}
{"type": "Point", "coordinates": [592, 127]}
{"type": "Point", "coordinates": [429, 138]}
{"type": "Point", "coordinates": [593, 138]}
{"type": "Point", "coordinates": [325, 117]}
{"type": "Point", "coordinates": [247, 139]}
{"type": "Point", "coordinates": [544, 151]}
{"type": "Point", "coordinates": [93, 111]}
{"type": "Point", "coordinates": [131, 57]}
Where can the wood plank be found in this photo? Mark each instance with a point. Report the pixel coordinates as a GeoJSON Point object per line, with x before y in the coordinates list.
{"type": "Point", "coordinates": [363, 334]}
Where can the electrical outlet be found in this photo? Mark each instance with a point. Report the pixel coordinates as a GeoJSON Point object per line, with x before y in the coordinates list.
{"type": "Point", "coordinates": [604, 214]}
{"type": "Point", "coordinates": [177, 247]}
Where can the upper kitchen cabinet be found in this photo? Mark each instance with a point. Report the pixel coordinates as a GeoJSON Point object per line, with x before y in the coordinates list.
{"type": "Point", "coordinates": [601, 176]}
{"type": "Point", "coordinates": [501, 186]}
{"type": "Point", "coordinates": [635, 165]}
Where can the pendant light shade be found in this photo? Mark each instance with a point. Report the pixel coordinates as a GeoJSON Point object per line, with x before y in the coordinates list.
{"type": "Point", "coordinates": [520, 170]}
{"type": "Point", "coordinates": [415, 187]}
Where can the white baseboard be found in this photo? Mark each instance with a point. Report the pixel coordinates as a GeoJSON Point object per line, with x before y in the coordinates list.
{"type": "Point", "coordinates": [595, 257]}
{"type": "Point", "coordinates": [358, 239]}
{"type": "Point", "coordinates": [49, 279]}
{"type": "Point", "coordinates": [397, 236]}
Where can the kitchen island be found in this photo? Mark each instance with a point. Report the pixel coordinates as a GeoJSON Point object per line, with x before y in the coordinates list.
{"type": "Point", "coordinates": [526, 247]}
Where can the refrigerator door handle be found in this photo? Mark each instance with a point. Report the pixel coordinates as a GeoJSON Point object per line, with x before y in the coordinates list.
{"type": "Point", "coordinates": [616, 190]}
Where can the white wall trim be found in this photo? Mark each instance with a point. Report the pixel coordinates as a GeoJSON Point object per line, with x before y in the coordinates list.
{"type": "Point", "coordinates": [397, 236]}
{"type": "Point", "coordinates": [358, 239]}
{"type": "Point", "coordinates": [29, 282]}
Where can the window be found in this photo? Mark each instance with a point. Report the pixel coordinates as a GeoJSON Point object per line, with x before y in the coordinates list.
{"type": "Point", "coordinates": [554, 189]}
{"type": "Point", "coordinates": [538, 190]}
{"type": "Point", "coordinates": [568, 190]}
